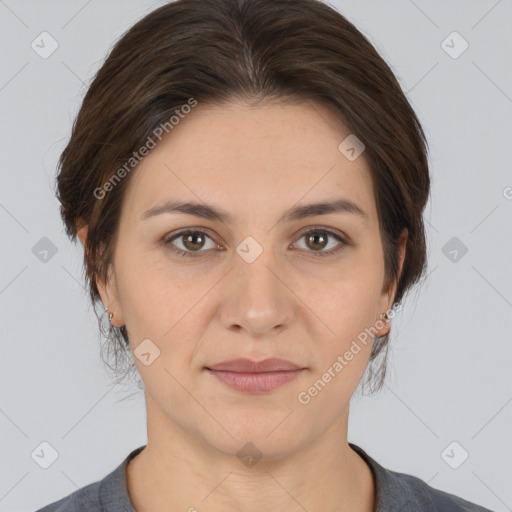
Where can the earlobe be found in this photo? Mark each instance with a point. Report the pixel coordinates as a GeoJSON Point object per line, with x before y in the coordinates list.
{"type": "Point", "coordinates": [106, 290]}
{"type": "Point", "coordinates": [108, 294]}
{"type": "Point", "coordinates": [392, 290]}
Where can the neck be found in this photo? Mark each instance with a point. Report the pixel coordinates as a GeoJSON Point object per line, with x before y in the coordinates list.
{"type": "Point", "coordinates": [177, 471]}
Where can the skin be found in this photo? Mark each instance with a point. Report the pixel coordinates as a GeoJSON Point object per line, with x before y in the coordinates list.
{"type": "Point", "coordinates": [256, 163]}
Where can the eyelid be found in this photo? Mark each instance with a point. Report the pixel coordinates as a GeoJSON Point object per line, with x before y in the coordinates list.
{"type": "Point", "coordinates": [343, 239]}
{"type": "Point", "coordinates": [169, 237]}
{"type": "Point", "coordinates": [334, 232]}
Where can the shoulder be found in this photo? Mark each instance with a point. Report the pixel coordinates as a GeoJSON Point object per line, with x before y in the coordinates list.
{"type": "Point", "coordinates": [417, 492]}
{"type": "Point", "coordinates": [107, 495]}
{"type": "Point", "coordinates": [401, 492]}
{"type": "Point", "coordinates": [77, 501]}
{"type": "Point", "coordinates": [86, 498]}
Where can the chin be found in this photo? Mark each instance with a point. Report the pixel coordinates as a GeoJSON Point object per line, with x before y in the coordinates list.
{"type": "Point", "coordinates": [262, 437]}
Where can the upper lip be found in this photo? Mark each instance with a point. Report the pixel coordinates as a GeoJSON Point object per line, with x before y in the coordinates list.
{"type": "Point", "coordinates": [248, 365]}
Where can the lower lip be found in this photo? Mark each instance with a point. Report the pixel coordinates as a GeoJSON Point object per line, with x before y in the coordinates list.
{"type": "Point", "coordinates": [255, 382]}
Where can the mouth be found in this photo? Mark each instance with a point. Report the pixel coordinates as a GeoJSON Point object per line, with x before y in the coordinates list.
{"type": "Point", "coordinates": [255, 377]}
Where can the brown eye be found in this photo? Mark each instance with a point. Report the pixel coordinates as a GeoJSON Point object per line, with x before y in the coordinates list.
{"type": "Point", "coordinates": [318, 239]}
{"type": "Point", "coordinates": [193, 240]}
{"type": "Point", "coordinates": [190, 241]}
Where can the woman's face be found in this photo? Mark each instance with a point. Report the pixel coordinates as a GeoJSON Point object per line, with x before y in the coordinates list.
{"type": "Point", "coordinates": [260, 283]}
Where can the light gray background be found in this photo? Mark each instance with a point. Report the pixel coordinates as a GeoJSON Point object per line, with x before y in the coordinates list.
{"type": "Point", "coordinates": [451, 350]}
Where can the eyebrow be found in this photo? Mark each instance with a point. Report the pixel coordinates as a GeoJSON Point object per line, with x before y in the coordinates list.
{"type": "Point", "coordinates": [341, 205]}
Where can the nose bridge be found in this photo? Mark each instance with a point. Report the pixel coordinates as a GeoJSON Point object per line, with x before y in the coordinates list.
{"type": "Point", "coordinates": [258, 299]}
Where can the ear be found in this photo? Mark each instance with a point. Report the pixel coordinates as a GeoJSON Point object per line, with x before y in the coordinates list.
{"type": "Point", "coordinates": [388, 296]}
{"type": "Point", "coordinates": [82, 235]}
{"type": "Point", "coordinates": [401, 257]}
{"type": "Point", "coordinates": [108, 290]}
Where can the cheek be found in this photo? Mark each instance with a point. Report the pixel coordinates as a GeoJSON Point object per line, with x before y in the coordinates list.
{"type": "Point", "coordinates": [347, 307]}
{"type": "Point", "coordinates": [344, 348]}
{"type": "Point", "coordinates": [165, 305]}
{"type": "Point", "coordinates": [347, 301]}
{"type": "Point", "coordinates": [149, 287]}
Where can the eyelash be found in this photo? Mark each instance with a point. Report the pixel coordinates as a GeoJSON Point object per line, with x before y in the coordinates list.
{"type": "Point", "coordinates": [167, 242]}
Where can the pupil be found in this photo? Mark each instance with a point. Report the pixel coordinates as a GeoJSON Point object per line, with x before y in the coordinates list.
{"type": "Point", "coordinates": [191, 237]}
{"type": "Point", "coordinates": [191, 244]}
{"type": "Point", "coordinates": [314, 236]}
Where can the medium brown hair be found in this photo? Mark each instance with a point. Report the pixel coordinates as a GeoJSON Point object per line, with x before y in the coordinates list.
{"type": "Point", "coordinates": [217, 51]}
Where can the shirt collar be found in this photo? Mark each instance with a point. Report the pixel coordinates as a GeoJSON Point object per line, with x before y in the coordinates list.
{"type": "Point", "coordinates": [391, 492]}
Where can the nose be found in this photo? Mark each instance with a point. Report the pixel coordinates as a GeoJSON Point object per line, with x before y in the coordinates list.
{"type": "Point", "coordinates": [256, 297]}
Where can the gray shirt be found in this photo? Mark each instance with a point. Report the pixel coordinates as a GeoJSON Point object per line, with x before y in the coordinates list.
{"type": "Point", "coordinates": [395, 492]}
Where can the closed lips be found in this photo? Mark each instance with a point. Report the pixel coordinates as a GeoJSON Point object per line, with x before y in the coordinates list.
{"type": "Point", "coordinates": [243, 365]}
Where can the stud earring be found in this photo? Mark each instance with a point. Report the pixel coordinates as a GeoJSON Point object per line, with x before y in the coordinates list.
{"type": "Point", "coordinates": [110, 315]}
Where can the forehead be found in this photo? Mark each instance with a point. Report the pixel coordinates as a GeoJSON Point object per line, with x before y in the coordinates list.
{"type": "Point", "coordinates": [265, 157]}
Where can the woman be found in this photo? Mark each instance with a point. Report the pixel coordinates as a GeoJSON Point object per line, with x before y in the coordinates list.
{"type": "Point", "coordinates": [248, 181]}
